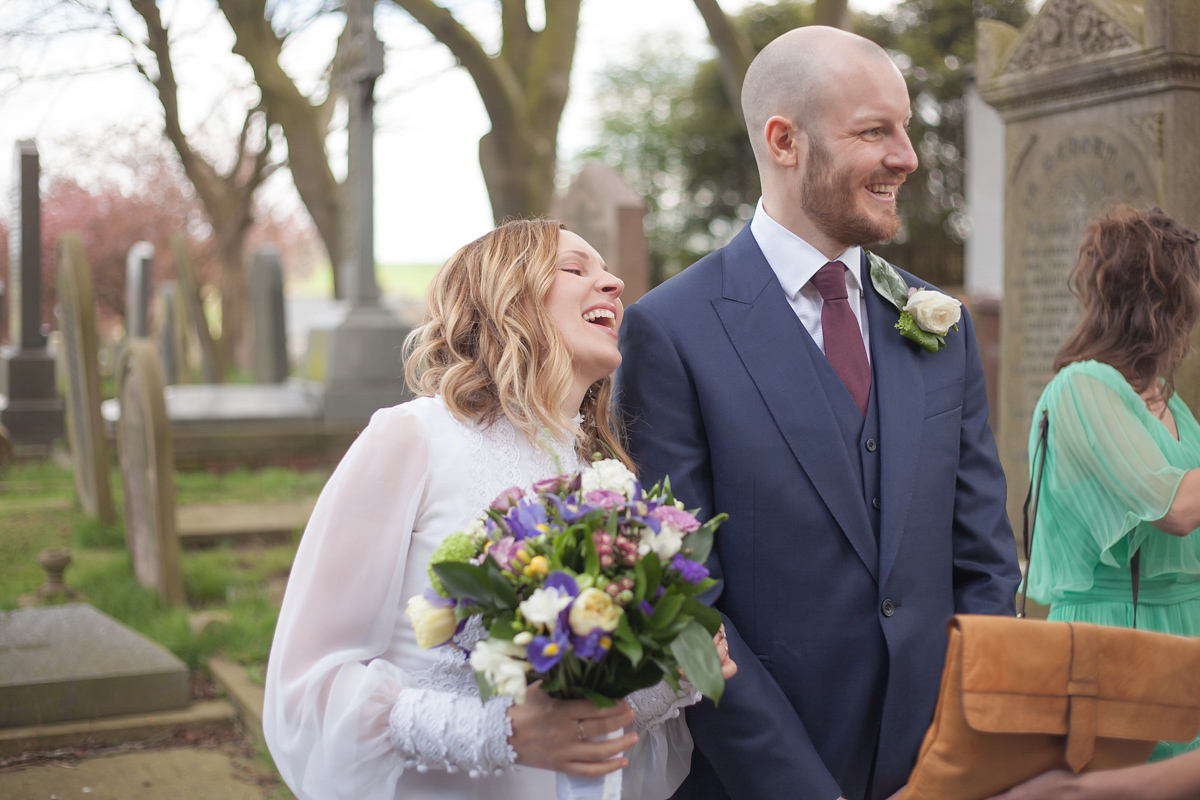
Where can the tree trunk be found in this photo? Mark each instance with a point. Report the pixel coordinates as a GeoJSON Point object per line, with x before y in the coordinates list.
{"type": "Point", "coordinates": [831, 12]}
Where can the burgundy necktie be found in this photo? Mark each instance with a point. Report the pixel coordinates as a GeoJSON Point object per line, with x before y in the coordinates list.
{"type": "Point", "coordinates": [843, 337]}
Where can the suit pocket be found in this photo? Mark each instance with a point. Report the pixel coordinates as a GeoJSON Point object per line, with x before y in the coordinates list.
{"type": "Point", "coordinates": [943, 398]}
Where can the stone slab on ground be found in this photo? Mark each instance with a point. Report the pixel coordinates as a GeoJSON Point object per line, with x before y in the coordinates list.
{"type": "Point", "coordinates": [201, 525]}
{"type": "Point", "coordinates": [181, 773]}
{"type": "Point", "coordinates": [73, 662]}
{"type": "Point", "coordinates": [246, 696]}
{"type": "Point", "coordinates": [200, 716]}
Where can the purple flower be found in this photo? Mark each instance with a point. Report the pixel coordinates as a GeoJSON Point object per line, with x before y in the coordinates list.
{"type": "Point", "coordinates": [593, 646]}
{"type": "Point", "coordinates": [436, 600]}
{"type": "Point", "coordinates": [563, 581]}
{"type": "Point", "coordinates": [604, 498]}
{"type": "Point", "coordinates": [546, 651]}
{"type": "Point", "coordinates": [508, 498]}
{"type": "Point", "coordinates": [527, 519]}
{"type": "Point", "coordinates": [679, 520]}
{"type": "Point", "coordinates": [646, 608]}
{"type": "Point", "coordinates": [556, 485]}
{"type": "Point", "coordinates": [504, 552]}
{"type": "Point", "coordinates": [691, 571]}
{"type": "Point", "coordinates": [568, 510]}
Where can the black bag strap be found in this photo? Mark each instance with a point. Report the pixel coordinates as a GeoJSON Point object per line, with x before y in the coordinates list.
{"type": "Point", "coordinates": [1030, 518]}
{"type": "Point", "coordinates": [1031, 503]}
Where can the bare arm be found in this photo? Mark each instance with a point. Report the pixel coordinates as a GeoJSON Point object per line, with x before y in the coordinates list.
{"type": "Point", "coordinates": [1174, 779]}
{"type": "Point", "coordinates": [1183, 516]}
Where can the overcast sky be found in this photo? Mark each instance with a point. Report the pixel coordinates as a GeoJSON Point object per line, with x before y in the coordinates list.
{"type": "Point", "coordinates": [429, 191]}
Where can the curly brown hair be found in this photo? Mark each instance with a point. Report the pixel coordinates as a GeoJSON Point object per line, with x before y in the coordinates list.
{"type": "Point", "coordinates": [1138, 281]}
{"type": "Point", "coordinates": [488, 346]}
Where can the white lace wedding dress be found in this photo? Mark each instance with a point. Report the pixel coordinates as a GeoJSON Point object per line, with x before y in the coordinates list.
{"type": "Point", "coordinates": [354, 709]}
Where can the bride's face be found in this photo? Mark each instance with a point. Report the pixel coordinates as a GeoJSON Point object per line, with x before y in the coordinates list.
{"type": "Point", "coordinates": [585, 302]}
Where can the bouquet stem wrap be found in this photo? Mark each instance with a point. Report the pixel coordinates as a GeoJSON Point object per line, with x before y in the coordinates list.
{"type": "Point", "coordinates": [588, 787]}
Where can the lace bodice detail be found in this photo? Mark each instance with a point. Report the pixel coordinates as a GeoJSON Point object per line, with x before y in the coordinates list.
{"type": "Point", "coordinates": [502, 456]}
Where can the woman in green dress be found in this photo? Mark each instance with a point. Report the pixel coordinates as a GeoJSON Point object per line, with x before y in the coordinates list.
{"type": "Point", "coordinates": [1122, 465]}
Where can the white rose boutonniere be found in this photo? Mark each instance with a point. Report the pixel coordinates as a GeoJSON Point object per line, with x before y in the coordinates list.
{"type": "Point", "coordinates": [926, 316]}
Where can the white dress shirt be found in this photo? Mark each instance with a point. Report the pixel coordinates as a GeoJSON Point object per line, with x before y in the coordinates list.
{"type": "Point", "coordinates": [795, 262]}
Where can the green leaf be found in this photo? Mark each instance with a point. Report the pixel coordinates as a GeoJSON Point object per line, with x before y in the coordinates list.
{"type": "Point", "coordinates": [888, 282]}
{"type": "Point", "coordinates": [627, 642]}
{"type": "Point", "coordinates": [639, 582]}
{"type": "Point", "coordinates": [653, 570]}
{"type": "Point", "coordinates": [465, 580]}
{"type": "Point", "coordinates": [486, 690]}
{"type": "Point", "coordinates": [709, 617]}
{"type": "Point", "coordinates": [503, 593]}
{"type": "Point", "coordinates": [693, 648]}
{"type": "Point", "coordinates": [666, 610]}
{"type": "Point", "coordinates": [907, 326]}
{"type": "Point", "coordinates": [591, 559]}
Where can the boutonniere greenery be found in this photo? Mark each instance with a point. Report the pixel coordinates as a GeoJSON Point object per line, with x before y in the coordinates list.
{"type": "Point", "coordinates": [926, 316]}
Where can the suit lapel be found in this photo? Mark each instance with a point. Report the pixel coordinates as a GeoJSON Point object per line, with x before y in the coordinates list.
{"type": "Point", "coordinates": [769, 340]}
{"type": "Point", "coordinates": [900, 396]}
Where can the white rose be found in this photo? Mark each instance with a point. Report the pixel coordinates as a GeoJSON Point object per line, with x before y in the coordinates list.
{"type": "Point", "coordinates": [610, 475]}
{"type": "Point", "coordinates": [934, 312]}
{"type": "Point", "coordinates": [543, 606]}
{"type": "Point", "coordinates": [432, 624]}
{"type": "Point", "coordinates": [477, 530]}
{"type": "Point", "coordinates": [594, 609]}
{"type": "Point", "coordinates": [501, 664]}
{"type": "Point", "coordinates": [665, 544]}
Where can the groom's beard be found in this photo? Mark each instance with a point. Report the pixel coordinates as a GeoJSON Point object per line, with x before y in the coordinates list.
{"type": "Point", "coordinates": [830, 200]}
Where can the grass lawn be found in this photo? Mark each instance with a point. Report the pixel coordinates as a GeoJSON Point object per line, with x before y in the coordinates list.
{"type": "Point", "coordinates": [38, 509]}
{"type": "Point", "coordinates": [407, 281]}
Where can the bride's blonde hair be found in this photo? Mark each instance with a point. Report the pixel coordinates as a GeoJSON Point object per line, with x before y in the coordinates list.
{"type": "Point", "coordinates": [488, 346]}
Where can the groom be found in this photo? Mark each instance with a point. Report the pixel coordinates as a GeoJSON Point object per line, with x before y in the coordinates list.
{"type": "Point", "coordinates": [864, 493]}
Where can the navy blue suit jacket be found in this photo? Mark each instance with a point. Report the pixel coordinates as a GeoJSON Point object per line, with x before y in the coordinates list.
{"type": "Point", "coordinates": [839, 638]}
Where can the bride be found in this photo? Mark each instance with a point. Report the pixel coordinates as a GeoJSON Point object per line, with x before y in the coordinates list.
{"type": "Point", "coordinates": [514, 364]}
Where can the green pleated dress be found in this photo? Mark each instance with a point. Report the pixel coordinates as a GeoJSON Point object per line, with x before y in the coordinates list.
{"type": "Point", "coordinates": [1111, 466]}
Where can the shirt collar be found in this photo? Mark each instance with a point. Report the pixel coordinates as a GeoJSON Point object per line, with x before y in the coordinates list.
{"type": "Point", "coordinates": [794, 260]}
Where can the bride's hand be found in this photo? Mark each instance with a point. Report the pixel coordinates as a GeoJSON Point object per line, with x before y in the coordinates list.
{"type": "Point", "coordinates": [553, 734]}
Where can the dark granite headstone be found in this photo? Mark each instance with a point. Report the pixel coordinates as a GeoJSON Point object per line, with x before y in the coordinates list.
{"type": "Point", "coordinates": [89, 450]}
{"type": "Point", "coordinates": [269, 357]}
{"type": "Point", "coordinates": [29, 404]}
{"type": "Point", "coordinates": [72, 662]}
{"type": "Point", "coordinates": [139, 264]}
{"type": "Point", "coordinates": [147, 472]}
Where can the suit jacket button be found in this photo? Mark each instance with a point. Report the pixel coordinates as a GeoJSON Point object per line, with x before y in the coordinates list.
{"type": "Point", "coordinates": [875, 504]}
{"type": "Point", "coordinates": [872, 445]}
{"type": "Point", "coordinates": [888, 608]}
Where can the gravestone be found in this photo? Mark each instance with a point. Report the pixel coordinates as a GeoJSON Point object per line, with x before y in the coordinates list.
{"type": "Point", "coordinates": [1100, 104]}
{"type": "Point", "coordinates": [170, 332]}
{"type": "Point", "coordinates": [189, 290]}
{"type": "Point", "coordinates": [269, 356]}
{"type": "Point", "coordinates": [29, 405]}
{"type": "Point", "coordinates": [139, 266]}
{"type": "Point", "coordinates": [77, 317]}
{"type": "Point", "coordinates": [147, 472]}
{"type": "Point", "coordinates": [364, 368]}
{"type": "Point", "coordinates": [600, 207]}
{"type": "Point", "coordinates": [6, 448]}
{"type": "Point", "coordinates": [72, 662]}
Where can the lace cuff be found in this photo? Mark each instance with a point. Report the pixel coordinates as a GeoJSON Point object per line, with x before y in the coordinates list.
{"type": "Point", "coordinates": [444, 731]}
{"type": "Point", "coordinates": [655, 705]}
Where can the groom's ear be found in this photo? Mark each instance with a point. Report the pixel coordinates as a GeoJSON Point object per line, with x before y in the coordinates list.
{"type": "Point", "coordinates": [787, 143]}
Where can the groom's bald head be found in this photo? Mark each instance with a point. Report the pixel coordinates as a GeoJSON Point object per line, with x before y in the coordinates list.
{"type": "Point", "coordinates": [794, 75]}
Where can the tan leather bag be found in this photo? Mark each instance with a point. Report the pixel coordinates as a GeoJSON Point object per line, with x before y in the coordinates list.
{"type": "Point", "coordinates": [1020, 697]}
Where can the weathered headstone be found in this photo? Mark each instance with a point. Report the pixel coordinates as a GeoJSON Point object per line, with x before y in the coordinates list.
{"type": "Point", "coordinates": [600, 207]}
{"type": "Point", "coordinates": [269, 356]}
{"type": "Point", "coordinates": [89, 449]}
{"type": "Point", "coordinates": [29, 405]}
{"type": "Point", "coordinates": [6, 448]}
{"type": "Point", "coordinates": [1100, 102]}
{"type": "Point", "coordinates": [71, 662]}
{"type": "Point", "coordinates": [139, 265]}
{"type": "Point", "coordinates": [364, 368]}
{"type": "Point", "coordinates": [189, 290]}
{"type": "Point", "coordinates": [170, 332]}
{"type": "Point", "coordinates": [147, 472]}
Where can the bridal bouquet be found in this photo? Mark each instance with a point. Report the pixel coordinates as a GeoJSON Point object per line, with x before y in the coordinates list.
{"type": "Point", "coordinates": [586, 582]}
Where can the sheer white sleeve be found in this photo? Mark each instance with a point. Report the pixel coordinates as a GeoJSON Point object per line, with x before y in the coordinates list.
{"type": "Point", "coordinates": [660, 760]}
{"type": "Point", "coordinates": [339, 720]}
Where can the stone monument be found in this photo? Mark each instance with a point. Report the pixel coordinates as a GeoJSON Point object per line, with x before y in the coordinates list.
{"type": "Point", "coordinates": [601, 208]}
{"type": "Point", "coordinates": [29, 405]}
{"type": "Point", "coordinates": [364, 369]}
{"type": "Point", "coordinates": [1100, 100]}
{"type": "Point", "coordinates": [188, 287]}
{"type": "Point", "coordinates": [77, 316]}
{"type": "Point", "coordinates": [269, 356]}
{"type": "Point", "coordinates": [139, 266]}
{"type": "Point", "coordinates": [170, 333]}
{"type": "Point", "coordinates": [148, 472]}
